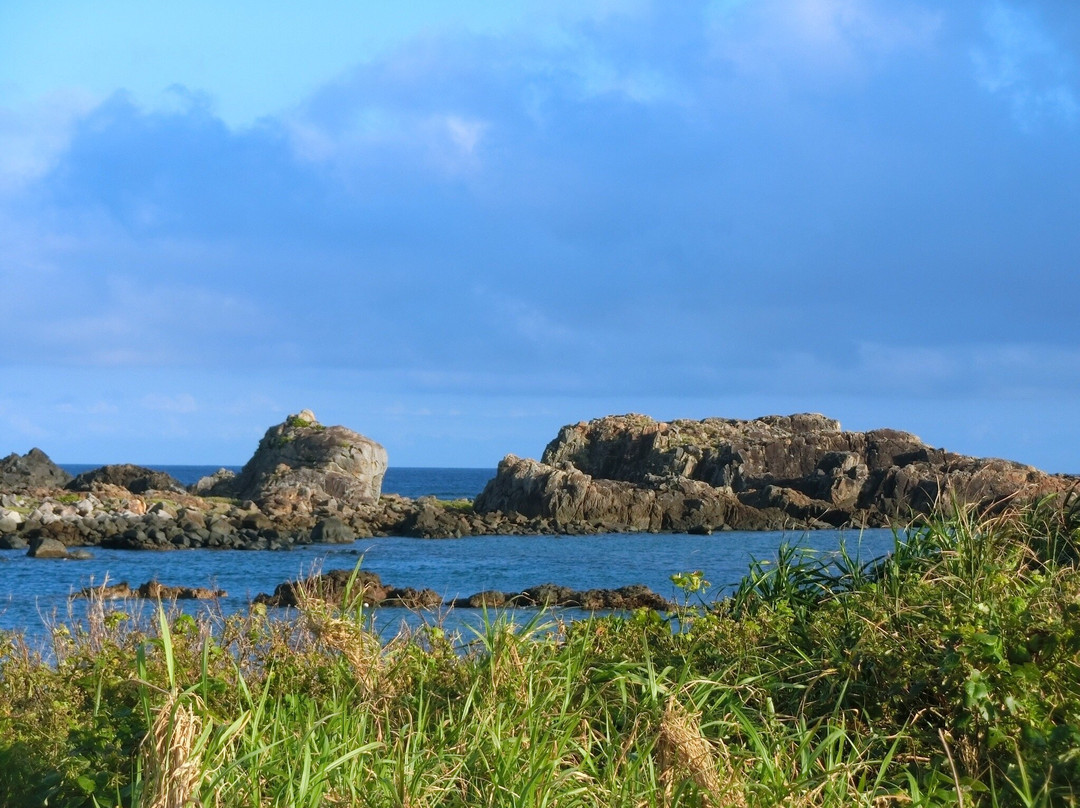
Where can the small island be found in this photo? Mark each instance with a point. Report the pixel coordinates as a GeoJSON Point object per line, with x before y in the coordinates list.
{"type": "Point", "coordinates": [308, 482]}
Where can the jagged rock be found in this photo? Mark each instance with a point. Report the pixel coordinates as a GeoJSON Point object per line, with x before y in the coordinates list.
{"type": "Point", "coordinates": [631, 472]}
{"type": "Point", "coordinates": [572, 499]}
{"type": "Point", "coordinates": [331, 587]}
{"type": "Point", "coordinates": [489, 599]}
{"type": "Point", "coordinates": [106, 591]}
{"type": "Point", "coordinates": [301, 466]}
{"type": "Point", "coordinates": [636, 596]}
{"type": "Point", "coordinates": [410, 598]}
{"type": "Point", "coordinates": [31, 470]}
{"type": "Point", "coordinates": [136, 479]}
{"type": "Point", "coordinates": [219, 483]}
{"type": "Point", "coordinates": [151, 590]}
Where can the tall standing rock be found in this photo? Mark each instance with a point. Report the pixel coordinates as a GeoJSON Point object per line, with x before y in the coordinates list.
{"type": "Point", "coordinates": [301, 463]}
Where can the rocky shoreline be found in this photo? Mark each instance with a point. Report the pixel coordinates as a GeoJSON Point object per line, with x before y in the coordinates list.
{"type": "Point", "coordinates": [344, 587]}
{"type": "Point", "coordinates": [311, 483]}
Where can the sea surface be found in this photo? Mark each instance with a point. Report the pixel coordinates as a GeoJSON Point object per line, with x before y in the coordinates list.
{"type": "Point", "coordinates": [35, 593]}
{"type": "Point", "coordinates": [444, 483]}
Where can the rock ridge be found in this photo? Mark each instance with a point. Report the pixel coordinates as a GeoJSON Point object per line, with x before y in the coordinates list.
{"type": "Point", "coordinates": [798, 470]}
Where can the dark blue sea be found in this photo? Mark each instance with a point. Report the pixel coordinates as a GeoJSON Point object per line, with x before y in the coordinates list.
{"type": "Point", "coordinates": [35, 593]}
{"type": "Point", "coordinates": [444, 483]}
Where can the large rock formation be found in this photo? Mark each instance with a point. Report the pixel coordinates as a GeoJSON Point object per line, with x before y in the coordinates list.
{"type": "Point", "coordinates": [31, 470]}
{"type": "Point", "coordinates": [794, 471]}
{"type": "Point", "coordinates": [301, 465]}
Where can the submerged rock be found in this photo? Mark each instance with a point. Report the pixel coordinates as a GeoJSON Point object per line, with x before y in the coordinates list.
{"type": "Point", "coordinates": [341, 588]}
{"type": "Point", "coordinates": [44, 547]}
{"type": "Point", "coordinates": [151, 590]}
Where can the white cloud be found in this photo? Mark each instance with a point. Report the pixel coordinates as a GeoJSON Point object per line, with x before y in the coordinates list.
{"type": "Point", "coordinates": [1021, 63]}
{"type": "Point", "coordinates": [784, 38]}
{"type": "Point", "coordinates": [34, 135]}
{"type": "Point", "coordinates": [464, 132]}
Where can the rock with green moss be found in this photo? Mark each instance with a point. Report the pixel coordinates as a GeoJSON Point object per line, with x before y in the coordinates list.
{"type": "Point", "coordinates": [795, 471]}
{"type": "Point", "coordinates": [302, 466]}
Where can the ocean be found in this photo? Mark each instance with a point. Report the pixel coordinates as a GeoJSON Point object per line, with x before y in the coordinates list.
{"type": "Point", "coordinates": [444, 483]}
{"type": "Point", "coordinates": [36, 593]}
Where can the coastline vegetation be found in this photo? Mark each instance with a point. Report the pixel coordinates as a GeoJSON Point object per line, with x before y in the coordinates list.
{"type": "Point", "coordinates": [947, 674]}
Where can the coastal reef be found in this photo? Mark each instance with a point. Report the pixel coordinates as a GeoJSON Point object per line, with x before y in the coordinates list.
{"type": "Point", "coordinates": [308, 482]}
{"type": "Point", "coordinates": [344, 588]}
{"type": "Point", "coordinates": [636, 473]}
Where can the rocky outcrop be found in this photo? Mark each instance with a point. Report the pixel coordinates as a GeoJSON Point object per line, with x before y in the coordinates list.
{"type": "Point", "coordinates": [345, 587]}
{"type": "Point", "coordinates": [301, 465]}
{"type": "Point", "coordinates": [151, 590]}
{"type": "Point", "coordinates": [776, 471]}
{"type": "Point", "coordinates": [31, 470]}
{"type": "Point", "coordinates": [574, 501]}
{"type": "Point", "coordinates": [136, 479]}
{"type": "Point", "coordinates": [220, 481]}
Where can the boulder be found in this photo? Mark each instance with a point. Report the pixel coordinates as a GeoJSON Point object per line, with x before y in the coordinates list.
{"type": "Point", "coordinates": [31, 470]}
{"type": "Point", "coordinates": [217, 484]}
{"type": "Point", "coordinates": [301, 464]}
{"type": "Point", "coordinates": [332, 531]}
{"type": "Point", "coordinates": [136, 479]}
{"type": "Point", "coordinates": [45, 547]}
{"type": "Point", "coordinates": [10, 520]}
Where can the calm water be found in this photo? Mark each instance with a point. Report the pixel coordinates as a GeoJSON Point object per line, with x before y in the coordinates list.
{"type": "Point", "coordinates": [33, 591]}
{"type": "Point", "coordinates": [444, 483]}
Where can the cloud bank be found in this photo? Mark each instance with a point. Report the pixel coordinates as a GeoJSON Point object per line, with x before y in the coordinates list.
{"type": "Point", "coordinates": [842, 198]}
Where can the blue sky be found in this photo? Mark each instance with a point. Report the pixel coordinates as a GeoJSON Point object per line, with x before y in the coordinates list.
{"type": "Point", "coordinates": [456, 227]}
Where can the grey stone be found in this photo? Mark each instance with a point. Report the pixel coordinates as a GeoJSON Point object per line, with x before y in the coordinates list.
{"type": "Point", "coordinates": [42, 547]}
{"type": "Point", "coordinates": [332, 531]}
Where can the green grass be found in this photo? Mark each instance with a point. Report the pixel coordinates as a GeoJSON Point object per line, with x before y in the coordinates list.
{"type": "Point", "coordinates": [458, 505]}
{"type": "Point", "coordinates": [947, 674]}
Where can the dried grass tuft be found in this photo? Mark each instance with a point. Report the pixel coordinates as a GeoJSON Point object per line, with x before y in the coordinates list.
{"type": "Point", "coordinates": [172, 760]}
{"type": "Point", "coordinates": [360, 648]}
{"type": "Point", "coordinates": [684, 753]}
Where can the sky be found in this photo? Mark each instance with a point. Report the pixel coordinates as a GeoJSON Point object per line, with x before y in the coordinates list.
{"type": "Point", "coordinates": [457, 227]}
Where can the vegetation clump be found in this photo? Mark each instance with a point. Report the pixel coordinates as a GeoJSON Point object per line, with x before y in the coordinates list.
{"type": "Point", "coordinates": [946, 674]}
{"type": "Point", "coordinates": [457, 505]}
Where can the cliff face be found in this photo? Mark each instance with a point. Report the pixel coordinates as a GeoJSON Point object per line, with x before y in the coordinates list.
{"type": "Point", "coordinates": [796, 471]}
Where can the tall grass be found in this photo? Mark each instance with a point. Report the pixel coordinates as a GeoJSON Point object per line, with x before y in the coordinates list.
{"type": "Point", "coordinates": [947, 674]}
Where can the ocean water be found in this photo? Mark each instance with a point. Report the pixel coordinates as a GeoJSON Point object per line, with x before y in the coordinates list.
{"type": "Point", "coordinates": [35, 593]}
{"type": "Point", "coordinates": [444, 483]}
